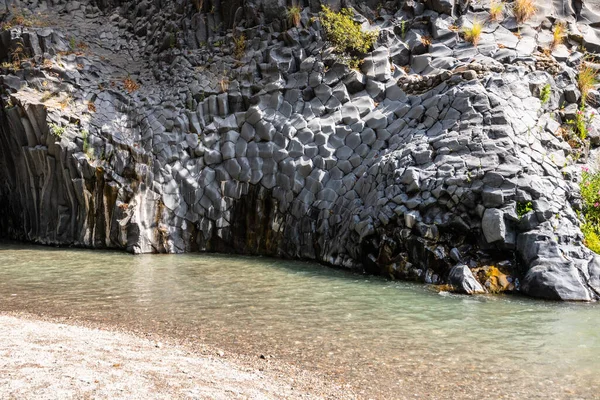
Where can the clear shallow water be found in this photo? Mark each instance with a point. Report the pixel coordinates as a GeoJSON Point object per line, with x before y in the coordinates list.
{"type": "Point", "coordinates": [387, 339]}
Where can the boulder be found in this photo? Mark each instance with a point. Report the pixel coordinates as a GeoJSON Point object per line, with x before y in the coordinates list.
{"type": "Point", "coordinates": [441, 6]}
{"type": "Point", "coordinates": [555, 279]}
{"type": "Point", "coordinates": [377, 65]}
{"type": "Point", "coordinates": [493, 225]}
{"type": "Point", "coordinates": [463, 280]}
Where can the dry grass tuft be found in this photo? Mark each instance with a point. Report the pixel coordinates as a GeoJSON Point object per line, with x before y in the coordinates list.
{"type": "Point", "coordinates": [473, 34]}
{"type": "Point", "coordinates": [294, 15]}
{"type": "Point", "coordinates": [199, 4]}
{"type": "Point", "coordinates": [496, 11]}
{"type": "Point", "coordinates": [130, 85]}
{"type": "Point", "coordinates": [586, 80]}
{"type": "Point", "coordinates": [224, 84]}
{"type": "Point", "coordinates": [558, 35]}
{"type": "Point", "coordinates": [523, 10]}
{"type": "Point", "coordinates": [239, 46]}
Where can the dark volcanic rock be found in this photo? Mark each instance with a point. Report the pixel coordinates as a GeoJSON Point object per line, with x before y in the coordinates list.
{"type": "Point", "coordinates": [178, 126]}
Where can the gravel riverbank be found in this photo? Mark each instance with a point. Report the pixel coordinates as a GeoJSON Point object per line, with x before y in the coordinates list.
{"type": "Point", "coordinates": [50, 360]}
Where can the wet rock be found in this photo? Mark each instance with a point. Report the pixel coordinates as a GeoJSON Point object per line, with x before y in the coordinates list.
{"type": "Point", "coordinates": [462, 279]}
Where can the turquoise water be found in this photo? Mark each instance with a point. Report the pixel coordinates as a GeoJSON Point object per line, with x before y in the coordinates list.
{"type": "Point", "coordinates": [386, 339]}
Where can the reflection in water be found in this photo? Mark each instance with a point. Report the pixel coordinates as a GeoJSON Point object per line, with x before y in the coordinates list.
{"type": "Point", "coordinates": [383, 337]}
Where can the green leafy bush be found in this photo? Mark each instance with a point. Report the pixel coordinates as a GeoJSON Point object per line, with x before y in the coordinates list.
{"type": "Point", "coordinates": [592, 238]}
{"type": "Point", "coordinates": [239, 46]}
{"type": "Point", "coordinates": [345, 34]}
{"type": "Point", "coordinates": [590, 193]}
{"type": "Point", "coordinates": [523, 208]}
{"type": "Point", "coordinates": [580, 125]}
{"type": "Point", "coordinates": [545, 93]}
{"type": "Point", "coordinates": [56, 130]}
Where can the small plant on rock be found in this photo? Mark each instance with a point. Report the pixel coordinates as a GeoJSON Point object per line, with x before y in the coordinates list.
{"type": "Point", "coordinates": [130, 85]}
{"type": "Point", "coordinates": [523, 208]}
{"type": "Point", "coordinates": [426, 40]}
{"type": "Point", "coordinates": [239, 46]}
{"type": "Point", "coordinates": [11, 65]}
{"type": "Point", "coordinates": [580, 125]}
{"type": "Point", "coordinates": [558, 35]}
{"type": "Point", "coordinates": [17, 55]}
{"type": "Point", "coordinates": [473, 34]}
{"type": "Point", "coordinates": [85, 135]}
{"type": "Point", "coordinates": [56, 130]}
{"type": "Point", "coordinates": [545, 93]}
{"type": "Point", "coordinates": [47, 64]}
{"type": "Point", "coordinates": [82, 46]}
{"type": "Point", "coordinates": [496, 10]}
{"type": "Point", "coordinates": [47, 95]}
{"type": "Point", "coordinates": [523, 10]}
{"type": "Point", "coordinates": [198, 4]}
{"type": "Point", "coordinates": [586, 80]}
{"type": "Point", "coordinates": [294, 14]}
{"type": "Point", "coordinates": [224, 84]}
{"type": "Point", "coordinates": [66, 102]}
{"type": "Point", "coordinates": [345, 34]}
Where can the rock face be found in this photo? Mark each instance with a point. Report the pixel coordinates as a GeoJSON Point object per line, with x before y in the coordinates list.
{"type": "Point", "coordinates": [143, 126]}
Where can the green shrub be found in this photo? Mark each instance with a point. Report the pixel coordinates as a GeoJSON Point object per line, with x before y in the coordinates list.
{"type": "Point", "coordinates": [580, 125]}
{"type": "Point", "coordinates": [545, 93]}
{"type": "Point", "coordinates": [85, 135]}
{"type": "Point", "coordinates": [590, 193]}
{"type": "Point", "coordinates": [345, 34]}
{"type": "Point", "coordinates": [403, 29]}
{"type": "Point", "coordinates": [591, 237]}
{"type": "Point", "coordinates": [523, 208]}
{"type": "Point", "coordinates": [239, 46]}
{"type": "Point", "coordinates": [56, 130]}
{"type": "Point", "coordinates": [558, 35]}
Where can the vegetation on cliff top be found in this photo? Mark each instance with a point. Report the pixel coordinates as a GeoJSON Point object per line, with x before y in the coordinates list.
{"type": "Point", "coordinates": [345, 34]}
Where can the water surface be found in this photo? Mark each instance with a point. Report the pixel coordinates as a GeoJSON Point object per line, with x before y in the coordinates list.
{"type": "Point", "coordinates": [387, 339]}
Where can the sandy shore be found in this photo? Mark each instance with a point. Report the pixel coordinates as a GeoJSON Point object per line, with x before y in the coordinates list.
{"type": "Point", "coordinates": [50, 360]}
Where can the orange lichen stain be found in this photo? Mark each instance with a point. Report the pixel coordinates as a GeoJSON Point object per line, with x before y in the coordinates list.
{"type": "Point", "coordinates": [494, 279]}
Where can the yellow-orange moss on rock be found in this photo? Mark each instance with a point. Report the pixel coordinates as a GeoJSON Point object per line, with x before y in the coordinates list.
{"type": "Point", "coordinates": [493, 279]}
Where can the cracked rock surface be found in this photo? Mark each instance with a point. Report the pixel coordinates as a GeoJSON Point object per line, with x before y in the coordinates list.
{"type": "Point", "coordinates": [136, 125]}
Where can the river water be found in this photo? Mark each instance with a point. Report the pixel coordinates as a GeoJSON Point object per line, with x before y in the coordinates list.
{"type": "Point", "coordinates": [386, 339]}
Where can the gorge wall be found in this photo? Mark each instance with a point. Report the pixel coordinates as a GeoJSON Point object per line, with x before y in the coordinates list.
{"type": "Point", "coordinates": [137, 125]}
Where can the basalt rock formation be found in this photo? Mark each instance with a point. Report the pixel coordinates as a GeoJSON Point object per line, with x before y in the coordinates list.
{"type": "Point", "coordinates": [181, 126]}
